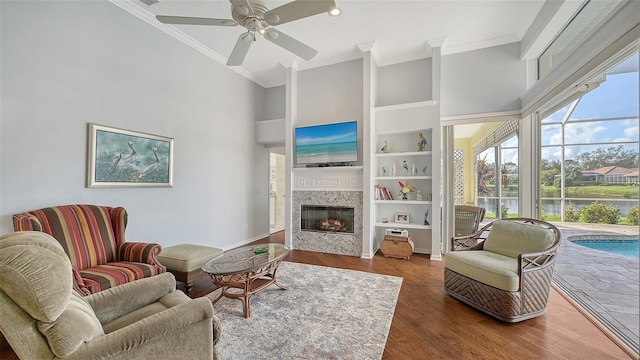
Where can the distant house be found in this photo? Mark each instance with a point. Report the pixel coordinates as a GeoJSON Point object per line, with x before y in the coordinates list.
{"type": "Point", "coordinates": [632, 177]}
{"type": "Point", "coordinates": [611, 175]}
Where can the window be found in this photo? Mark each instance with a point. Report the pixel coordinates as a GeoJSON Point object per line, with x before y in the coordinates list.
{"type": "Point", "coordinates": [577, 30]}
{"type": "Point", "coordinates": [590, 150]}
{"type": "Point", "coordinates": [497, 172]}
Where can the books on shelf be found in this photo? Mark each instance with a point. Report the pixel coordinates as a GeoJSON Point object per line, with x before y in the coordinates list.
{"type": "Point", "coordinates": [382, 193]}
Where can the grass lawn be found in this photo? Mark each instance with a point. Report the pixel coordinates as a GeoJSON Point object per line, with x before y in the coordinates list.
{"type": "Point", "coordinates": [596, 191]}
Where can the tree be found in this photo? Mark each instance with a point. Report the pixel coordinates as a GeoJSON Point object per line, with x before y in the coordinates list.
{"type": "Point", "coordinates": [548, 171]}
{"type": "Point", "coordinates": [550, 165]}
{"type": "Point", "coordinates": [612, 156]}
{"type": "Point", "coordinates": [486, 174]}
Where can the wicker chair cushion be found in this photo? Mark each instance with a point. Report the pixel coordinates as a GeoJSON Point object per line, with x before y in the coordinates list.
{"type": "Point", "coordinates": [512, 239]}
{"type": "Point", "coordinates": [486, 267]}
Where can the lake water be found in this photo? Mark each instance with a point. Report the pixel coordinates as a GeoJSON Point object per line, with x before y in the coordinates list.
{"type": "Point", "coordinates": [552, 206]}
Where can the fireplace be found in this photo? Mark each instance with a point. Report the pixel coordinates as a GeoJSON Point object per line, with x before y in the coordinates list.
{"type": "Point", "coordinates": [340, 203]}
{"type": "Point", "coordinates": [327, 218]}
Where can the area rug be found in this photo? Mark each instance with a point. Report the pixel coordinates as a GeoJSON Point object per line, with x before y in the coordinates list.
{"type": "Point", "coordinates": [325, 313]}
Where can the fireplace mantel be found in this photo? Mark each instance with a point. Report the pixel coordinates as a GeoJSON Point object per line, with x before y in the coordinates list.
{"type": "Point", "coordinates": [345, 178]}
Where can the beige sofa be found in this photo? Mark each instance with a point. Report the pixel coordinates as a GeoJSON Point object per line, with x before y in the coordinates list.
{"type": "Point", "coordinates": [44, 318]}
{"type": "Point", "coordinates": [508, 273]}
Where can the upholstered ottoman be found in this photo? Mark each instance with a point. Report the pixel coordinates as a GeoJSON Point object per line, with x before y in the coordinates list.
{"type": "Point", "coordinates": [184, 261]}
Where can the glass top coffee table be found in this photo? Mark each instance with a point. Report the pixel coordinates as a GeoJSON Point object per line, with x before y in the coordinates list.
{"type": "Point", "coordinates": [250, 269]}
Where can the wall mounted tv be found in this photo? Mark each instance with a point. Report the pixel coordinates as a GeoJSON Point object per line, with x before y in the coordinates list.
{"type": "Point", "coordinates": [327, 144]}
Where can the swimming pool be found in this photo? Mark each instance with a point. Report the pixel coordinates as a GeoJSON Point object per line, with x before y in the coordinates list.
{"type": "Point", "coordinates": [621, 247]}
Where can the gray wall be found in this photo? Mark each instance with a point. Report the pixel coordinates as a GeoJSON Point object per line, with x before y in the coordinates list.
{"type": "Point", "coordinates": [67, 64]}
{"type": "Point", "coordinates": [330, 94]}
{"type": "Point", "coordinates": [274, 107]}
{"type": "Point", "coordinates": [404, 83]}
{"type": "Point", "coordinates": [483, 81]}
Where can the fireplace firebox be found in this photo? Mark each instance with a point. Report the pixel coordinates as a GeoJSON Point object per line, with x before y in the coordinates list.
{"type": "Point", "coordinates": [327, 218]}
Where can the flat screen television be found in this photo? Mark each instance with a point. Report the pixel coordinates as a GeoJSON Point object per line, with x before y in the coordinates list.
{"type": "Point", "coordinates": [327, 144]}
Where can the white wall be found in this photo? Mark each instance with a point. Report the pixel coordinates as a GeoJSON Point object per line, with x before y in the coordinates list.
{"type": "Point", "coordinates": [66, 64]}
{"type": "Point", "coordinates": [483, 81]}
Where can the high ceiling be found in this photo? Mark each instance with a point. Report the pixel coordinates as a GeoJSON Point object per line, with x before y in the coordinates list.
{"type": "Point", "coordinates": [401, 30]}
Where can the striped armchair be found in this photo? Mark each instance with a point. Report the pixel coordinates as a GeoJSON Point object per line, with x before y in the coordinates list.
{"type": "Point", "coordinates": [93, 238]}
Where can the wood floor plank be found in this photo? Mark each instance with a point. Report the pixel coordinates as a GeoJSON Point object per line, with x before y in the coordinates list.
{"type": "Point", "coordinates": [429, 324]}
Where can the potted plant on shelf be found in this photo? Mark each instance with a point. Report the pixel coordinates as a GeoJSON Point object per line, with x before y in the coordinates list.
{"type": "Point", "coordinates": [405, 189]}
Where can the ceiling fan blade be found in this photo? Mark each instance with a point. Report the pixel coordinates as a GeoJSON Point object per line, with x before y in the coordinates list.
{"type": "Point", "coordinates": [242, 7]}
{"type": "Point", "coordinates": [297, 9]}
{"type": "Point", "coordinates": [290, 44]}
{"type": "Point", "coordinates": [241, 49]}
{"type": "Point", "coordinates": [185, 20]}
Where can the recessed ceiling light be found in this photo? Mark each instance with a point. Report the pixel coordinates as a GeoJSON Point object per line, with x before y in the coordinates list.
{"type": "Point", "coordinates": [335, 11]}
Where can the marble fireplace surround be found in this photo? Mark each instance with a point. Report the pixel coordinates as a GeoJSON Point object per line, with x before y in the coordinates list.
{"type": "Point", "coordinates": [328, 242]}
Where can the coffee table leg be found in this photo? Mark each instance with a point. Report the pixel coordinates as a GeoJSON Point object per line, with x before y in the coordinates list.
{"type": "Point", "coordinates": [246, 306]}
{"type": "Point", "coordinates": [223, 289]}
{"type": "Point", "coordinates": [276, 281]}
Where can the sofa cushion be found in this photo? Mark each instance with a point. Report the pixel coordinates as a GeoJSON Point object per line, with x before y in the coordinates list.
{"type": "Point", "coordinates": [76, 325]}
{"type": "Point", "coordinates": [28, 262]}
{"type": "Point", "coordinates": [112, 274]}
{"type": "Point", "coordinates": [493, 269]}
{"type": "Point", "coordinates": [512, 239]}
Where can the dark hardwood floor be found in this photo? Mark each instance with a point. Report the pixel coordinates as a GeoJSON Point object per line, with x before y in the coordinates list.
{"type": "Point", "coordinates": [429, 324]}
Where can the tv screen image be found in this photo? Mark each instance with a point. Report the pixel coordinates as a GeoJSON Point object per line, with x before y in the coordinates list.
{"type": "Point", "coordinates": [327, 144]}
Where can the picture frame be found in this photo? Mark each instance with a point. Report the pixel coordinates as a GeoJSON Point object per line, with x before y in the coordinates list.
{"type": "Point", "coordinates": [402, 217]}
{"type": "Point", "coordinates": [125, 158]}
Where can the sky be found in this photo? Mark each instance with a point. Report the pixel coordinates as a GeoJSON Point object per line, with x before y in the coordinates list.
{"type": "Point", "coordinates": [617, 97]}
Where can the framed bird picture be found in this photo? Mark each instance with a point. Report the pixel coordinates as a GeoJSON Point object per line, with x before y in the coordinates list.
{"type": "Point", "coordinates": [125, 158]}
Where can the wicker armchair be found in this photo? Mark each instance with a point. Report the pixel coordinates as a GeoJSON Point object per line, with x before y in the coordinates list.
{"type": "Point", "coordinates": [468, 219]}
{"type": "Point", "coordinates": [508, 273]}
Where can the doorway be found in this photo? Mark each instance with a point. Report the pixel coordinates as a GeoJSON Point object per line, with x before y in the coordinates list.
{"type": "Point", "coordinates": [276, 189]}
{"type": "Point", "coordinates": [480, 170]}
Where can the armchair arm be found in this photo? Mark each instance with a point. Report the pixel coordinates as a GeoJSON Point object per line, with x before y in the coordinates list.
{"type": "Point", "coordinates": [537, 260]}
{"type": "Point", "coordinates": [141, 252]}
{"type": "Point", "coordinates": [469, 242]}
{"type": "Point", "coordinates": [26, 222]}
{"type": "Point", "coordinates": [157, 328]}
{"type": "Point", "coordinates": [537, 268]}
{"type": "Point", "coordinates": [117, 301]}
{"type": "Point", "coordinates": [473, 241]}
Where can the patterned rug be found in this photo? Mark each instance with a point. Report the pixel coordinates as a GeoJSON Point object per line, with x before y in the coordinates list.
{"type": "Point", "coordinates": [325, 313]}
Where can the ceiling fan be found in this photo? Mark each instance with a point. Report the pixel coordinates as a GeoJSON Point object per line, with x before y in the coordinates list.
{"type": "Point", "coordinates": [256, 17]}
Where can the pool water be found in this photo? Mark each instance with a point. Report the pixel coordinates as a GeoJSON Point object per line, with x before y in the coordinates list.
{"type": "Point", "coordinates": [620, 247]}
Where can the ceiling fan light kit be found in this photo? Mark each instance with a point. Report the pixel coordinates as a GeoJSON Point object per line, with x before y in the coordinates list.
{"type": "Point", "coordinates": [255, 16]}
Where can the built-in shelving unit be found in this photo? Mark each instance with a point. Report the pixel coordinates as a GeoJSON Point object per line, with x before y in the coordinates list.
{"type": "Point", "coordinates": [396, 157]}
